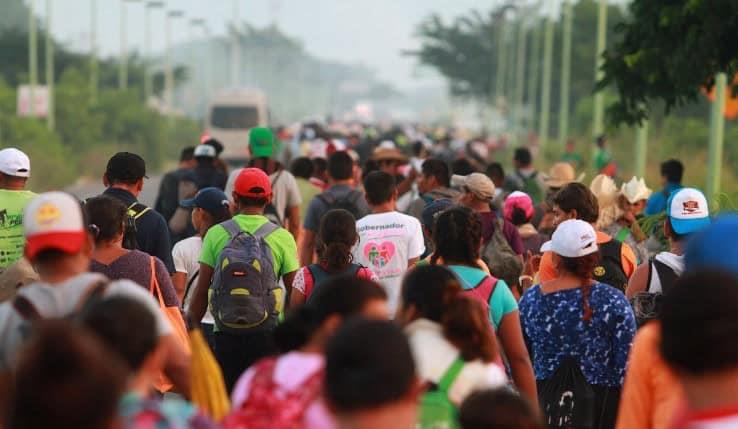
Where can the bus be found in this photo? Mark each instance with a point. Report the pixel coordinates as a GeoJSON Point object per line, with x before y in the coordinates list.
{"type": "Point", "coordinates": [230, 116]}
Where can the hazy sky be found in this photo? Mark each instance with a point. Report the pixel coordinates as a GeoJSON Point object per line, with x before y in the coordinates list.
{"type": "Point", "coordinates": [373, 32]}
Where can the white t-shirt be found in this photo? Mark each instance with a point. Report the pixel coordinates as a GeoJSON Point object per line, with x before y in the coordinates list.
{"type": "Point", "coordinates": [386, 242]}
{"type": "Point", "coordinates": [186, 256]}
{"type": "Point", "coordinates": [434, 355]}
{"type": "Point", "coordinates": [285, 192]}
{"type": "Point", "coordinates": [60, 300]}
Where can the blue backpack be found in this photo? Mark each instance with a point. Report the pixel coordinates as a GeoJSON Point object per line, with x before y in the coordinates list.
{"type": "Point", "coordinates": [245, 295]}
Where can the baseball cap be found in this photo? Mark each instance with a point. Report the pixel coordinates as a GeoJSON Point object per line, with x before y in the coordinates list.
{"type": "Point", "coordinates": [573, 238]}
{"type": "Point", "coordinates": [261, 142]}
{"type": "Point", "coordinates": [688, 211]}
{"type": "Point", "coordinates": [477, 183]}
{"type": "Point", "coordinates": [205, 151]}
{"type": "Point", "coordinates": [126, 167]}
{"type": "Point", "coordinates": [14, 162]}
{"type": "Point", "coordinates": [433, 209]}
{"type": "Point", "coordinates": [53, 220]}
{"type": "Point", "coordinates": [715, 247]}
{"type": "Point", "coordinates": [212, 200]}
{"type": "Point", "coordinates": [252, 182]}
{"type": "Point", "coordinates": [519, 200]}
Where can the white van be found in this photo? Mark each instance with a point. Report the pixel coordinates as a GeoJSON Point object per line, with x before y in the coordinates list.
{"type": "Point", "coordinates": [231, 114]}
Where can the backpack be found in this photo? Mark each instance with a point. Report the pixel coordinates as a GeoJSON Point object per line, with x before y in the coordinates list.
{"type": "Point", "coordinates": [647, 305]}
{"type": "Point", "coordinates": [610, 270]}
{"type": "Point", "coordinates": [348, 202]}
{"type": "Point", "coordinates": [320, 276]}
{"type": "Point", "coordinates": [483, 291]}
{"type": "Point", "coordinates": [182, 217]}
{"type": "Point", "coordinates": [502, 261]}
{"type": "Point", "coordinates": [436, 410]}
{"type": "Point", "coordinates": [567, 399]}
{"type": "Point", "coordinates": [135, 212]}
{"type": "Point", "coordinates": [270, 407]}
{"type": "Point", "coordinates": [531, 186]}
{"type": "Point", "coordinates": [245, 293]}
{"type": "Point", "coordinates": [270, 211]}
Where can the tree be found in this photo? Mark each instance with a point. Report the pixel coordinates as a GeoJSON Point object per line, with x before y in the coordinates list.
{"type": "Point", "coordinates": [669, 52]}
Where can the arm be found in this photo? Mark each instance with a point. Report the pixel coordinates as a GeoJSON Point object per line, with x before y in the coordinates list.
{"type": "Point", "coordinates": [288, 279]}
{"type": "Point", "coordinates": [637, 399]}
{"type": "Point", "coordinates": [511, 339]}
{"type": "Point", "coordinates": [293, 221]}
{"type": "Point", "coordinates": [307, 247]}
{"type": "Point", "coordinates": [199, 303]}
{"type": "Point", "coordinates": [177, 364]}
{"type": "Point", "coordinates": [164, 245]}
{"type": "Point", "coordinates": [179, 281]}
{"type": "Point", "coordinates": [638, 281]}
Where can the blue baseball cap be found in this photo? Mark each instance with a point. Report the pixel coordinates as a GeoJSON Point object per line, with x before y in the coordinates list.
{"type": "Point", "coordinates": [433, 209]}
{"type": "Point", "coordinates": [688, 211]}
{"type": "Point", "coordinates": [716, 247]}
{"type": "Point", "coordinates": [212, 200]}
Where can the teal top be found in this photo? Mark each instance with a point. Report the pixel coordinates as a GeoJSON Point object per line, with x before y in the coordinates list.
{"type": "Point", "coordinates": [501, 303]}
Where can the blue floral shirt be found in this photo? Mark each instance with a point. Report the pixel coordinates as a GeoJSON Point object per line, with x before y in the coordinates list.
{"type": "Point", "coordinates": [148, 413]}
{"type": "Point", "coordinates": [554, 329]}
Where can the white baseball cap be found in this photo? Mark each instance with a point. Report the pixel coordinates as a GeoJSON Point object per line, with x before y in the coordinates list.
{"type": "Point", "coordinates": [572, 239]}
{"type": "Point", "coordinates": [205, 150]}
{"type": "Point", "coordinates": [688, 211]}
{"type": "Point", "coordinates": [14, 162]}
{"type": "Point", "coordinates": [53, 220]}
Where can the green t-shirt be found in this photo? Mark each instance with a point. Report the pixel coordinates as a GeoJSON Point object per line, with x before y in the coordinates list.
{"type": "Point", "coordinates": [12, 239]}
{"type": "Point", "coordinates": [502, 301]}
{"type": "Point", "coordinates": [602, 159]}
{"type": "Point", "coordinates": [281, 242]}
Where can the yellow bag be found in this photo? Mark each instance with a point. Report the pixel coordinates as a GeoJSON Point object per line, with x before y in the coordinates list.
{"type": "Point", "coordinates": [208, 388]}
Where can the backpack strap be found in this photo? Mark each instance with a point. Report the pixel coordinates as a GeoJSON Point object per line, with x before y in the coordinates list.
{"type": "Point", "coordinates": [451, 374]}
{"type": "Point", "coordinates": [190, 283]}
{"type": "Point", "coordinates": [264, 230]}
{"type": "Point", "coordinates": [94, 295]}
{"type": "Point", "coordinates": [25, 308]}
{"type": "Point", "coordinates": [317, 273]}
{"type": "Point", "coordinates": [326, 198]}
{"type": "Point", "coordinates": [667, 276]}
{"type": "Point", "coordinates": [136, 210]}
{"type": "Point", "coordinates": [650, 275]}
{"type": "Point", "coordinates": [232, 228]}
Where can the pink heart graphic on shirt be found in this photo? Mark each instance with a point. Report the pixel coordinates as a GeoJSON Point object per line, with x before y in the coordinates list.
{"type": "Point", "coordinates": [379, 254]}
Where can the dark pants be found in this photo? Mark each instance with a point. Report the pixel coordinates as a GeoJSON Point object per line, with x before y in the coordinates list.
{"type": "Point", "coordinates": [207, 332]}
{"type": "Point", "coordinates": [236, 352]}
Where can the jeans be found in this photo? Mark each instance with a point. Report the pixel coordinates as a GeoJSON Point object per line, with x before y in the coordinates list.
{"type": "Point", "coordinates": [237, 352]}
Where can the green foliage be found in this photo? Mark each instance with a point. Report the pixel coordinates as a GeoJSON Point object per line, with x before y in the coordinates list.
{"type": "Point", "coordinates": [669, 52]}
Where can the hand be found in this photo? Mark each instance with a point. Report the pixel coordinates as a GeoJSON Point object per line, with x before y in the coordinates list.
{"type": "Point", "coordinates": [532, 264]}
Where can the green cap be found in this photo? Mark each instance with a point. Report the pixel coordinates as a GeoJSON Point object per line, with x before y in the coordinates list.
{"type": "Point", "coordinates": [261, 142]}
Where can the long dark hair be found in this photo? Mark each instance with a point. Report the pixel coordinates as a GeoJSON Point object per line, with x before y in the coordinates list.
{"type": "Point", "coordinates": [583, 268]}
{"type": "Point", "coordinates": [457, 236]}
{"type": "Point", "coordinates": [336, 235]}
{"type": "Point", "coordinates": [435, 293]}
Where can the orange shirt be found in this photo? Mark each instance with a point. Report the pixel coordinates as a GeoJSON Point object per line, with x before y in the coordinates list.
{"type": "Point", "coordinates": [627, 260]}
{"type": "Point", "coordinates": [651, 395]}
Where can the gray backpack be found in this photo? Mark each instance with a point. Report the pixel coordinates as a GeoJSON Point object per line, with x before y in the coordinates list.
{"type": "Point", "coordinates": [245, 294]}
{"type": "Point", "coordinates": [502, 261]}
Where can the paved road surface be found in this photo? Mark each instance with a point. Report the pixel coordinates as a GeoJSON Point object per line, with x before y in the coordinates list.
{"type": "Point", "coordinates": [87, 190]}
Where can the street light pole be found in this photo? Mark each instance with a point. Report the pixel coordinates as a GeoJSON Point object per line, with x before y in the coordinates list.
{"type": "Point", "coordinates": [717, 128]}
{"type": "Point", "coordinates": [546, 85]}
{"type": "Point", "coordinates": [148, 84]}
{"type": "Point", "coordinates": [236, 46]}
{"type": "Point", "coordinates": [49, 68]}
{"type": "Point", "coordinates": [93, 50]}
{"type": "Point", "coordinates": [122, 63]}
{"type": "Point", "coordinates": [501, 59]}
{"type": "Point", "coordinates": [534, 73]}
{"type": "Point", "coordinates": [169, 72]}
{"type": "Point", "coordinates": [599, 106]}
{"type": "Point", "coordinates": [32, 55]}
{"type": "Point", "coordinates": [565, 73]}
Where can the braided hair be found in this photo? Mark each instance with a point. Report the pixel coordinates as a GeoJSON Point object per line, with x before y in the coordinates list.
{"type": "Point", "coordinates": [583, 268]}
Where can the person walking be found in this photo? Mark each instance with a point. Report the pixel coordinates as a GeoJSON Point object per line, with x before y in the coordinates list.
{"type": "Point", "coordinates": [671, 180]}
{"type": "Point", "coordinates": [167, 200]}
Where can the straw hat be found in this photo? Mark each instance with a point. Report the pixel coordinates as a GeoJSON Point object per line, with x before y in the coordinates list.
{"type": "Point", "coordinates": [635, 190]}
{"type": "Point", "coordinates": [604, 188]}
{"type": "Point", "coordinates": [389, 154]}
{"type": "Point", "coordinates": [561, 174]}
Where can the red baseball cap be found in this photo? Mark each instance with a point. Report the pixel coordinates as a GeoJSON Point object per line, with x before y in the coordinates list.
{"type": "Point", "coordinates": [253, 182]}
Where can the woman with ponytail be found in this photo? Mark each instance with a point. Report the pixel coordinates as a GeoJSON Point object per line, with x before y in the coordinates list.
{"type": "Point", "coordinates": [336, 237]}
{"type": "Point", "coordinates": [285, 391]}
{"type": "Point", "coordinates": [578, 328]}
{"type": "Point", "coordinates": [446, 328]}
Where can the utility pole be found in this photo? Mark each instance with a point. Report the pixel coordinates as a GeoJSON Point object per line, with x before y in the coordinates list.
{"type": "Point", "coordinates": [49, 68]}
{"type": "Point", "coordinates": [93, 50]}
{"type": "Point", "coordinates": [599, 103]}
{"type": "Point", "coordinates": [534, 73]}
{"type": "Point", "coordinates": [717, 128]}
{"type": "Point", "coordinates": [519, 77]}
{"type": "Point", "coordinates": [564, 95]}
{"type": "Point", "coordinates": [122, 63]}
{"type": "Point", "coordinates": [169, 72]}
{"type": "Point", "coordinates": [501, 60]}
{"type": "Point", "coordinates": [236, 47]}
{"type": "Point", "coordinates": [32, 55]}
{"type": "Point", "coordinates": [546, 85]}
{"type": "Point", "coordinates": [148, 77]}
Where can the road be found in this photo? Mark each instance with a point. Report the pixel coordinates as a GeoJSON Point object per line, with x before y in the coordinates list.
{"type": "Point", "coordinates": [87, 190]}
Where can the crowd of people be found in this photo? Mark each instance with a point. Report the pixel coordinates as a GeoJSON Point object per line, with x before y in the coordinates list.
{"type": "Point", "coordinates": [371, 281]}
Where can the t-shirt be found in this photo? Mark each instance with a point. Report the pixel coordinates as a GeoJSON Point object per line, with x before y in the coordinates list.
{"type": "Point", "coordinates": [657, 202]}
{"type": "Point", "coordinates": [652, 395]}
{"type": "Point", "coordinates": [285, 192]}
{"type": "Point", "coordinates": [386, 242]}
{"type": "Point", "coordinates": [434, 355]}
{"type": "Point", "coordinates": [281, 243]}
{"type": "Point", "coordinates": [628, 262]}
{"type": "Point", "coordinates": [308, 190]}
{"type": "Point", "coordinates": [318, 207]}
{"type": "Point", "coordinates": [291, 372]}
{"type": "Point", "coordinates": [501, 303]}
{"type": "Point", "coordinates": [60, 300]}
{"type": "Point", "coordinates": [509, 231]}
{"type": "Point", "coordinates": [718, 418]}
{"type": "Point", "coordinates": [165, 413]}
{"type": "Point", "coordinates": [305, 283]}
{"type": "Point", "coordinates": [186, 255]}
{"type": "Point", "coordinates": [12, 239]}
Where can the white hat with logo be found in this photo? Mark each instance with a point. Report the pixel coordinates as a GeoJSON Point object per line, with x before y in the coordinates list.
{"type": "Point", "coordinates": [573, 238]}
{"type": "Point", "coordinates": [14, 162]}
{"type": "Point", "coordinates": [688, 211]}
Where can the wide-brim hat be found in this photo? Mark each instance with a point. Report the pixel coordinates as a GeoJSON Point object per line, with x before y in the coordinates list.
{"type": "Point", "coordinates": [561, 174]}
{"type": "Point", "coordinates": [389, 154]}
